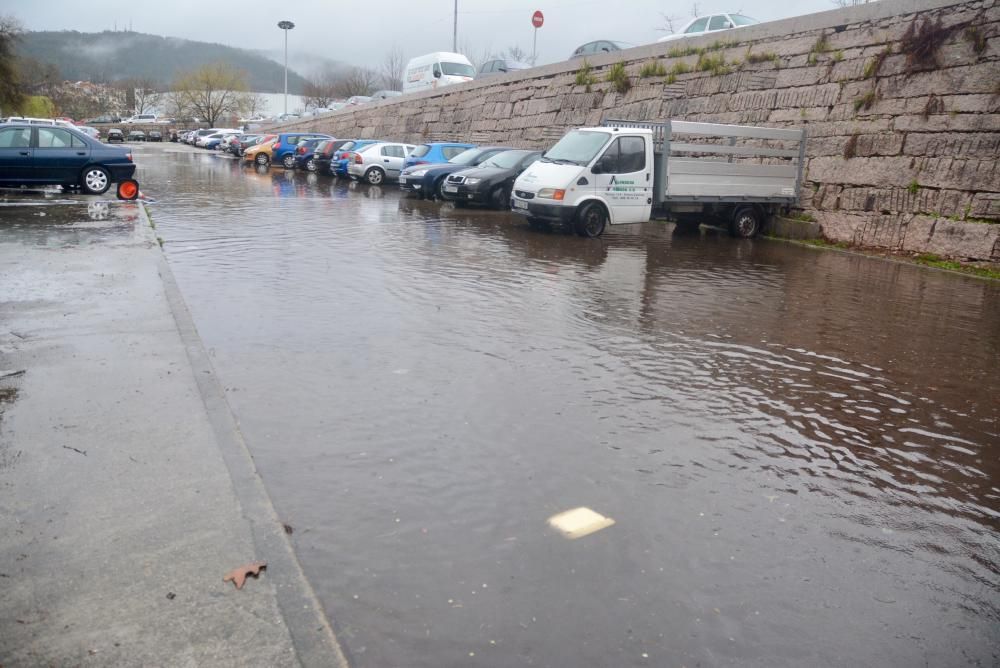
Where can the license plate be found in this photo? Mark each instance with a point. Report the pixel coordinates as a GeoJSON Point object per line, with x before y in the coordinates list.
{"type": "Point", "coordinates": [451, 189]}
{"type": "Point", "coordinates": [402, 179]}
{"type": "Point", "coordinates": [519, 204]}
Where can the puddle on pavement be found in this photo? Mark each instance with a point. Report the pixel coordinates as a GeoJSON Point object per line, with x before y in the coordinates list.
{"type": "Point", "coordinates": [798, 448]}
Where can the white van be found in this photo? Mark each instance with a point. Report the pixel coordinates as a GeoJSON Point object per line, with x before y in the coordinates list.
{"type": "Point", "coordinates": [435, 70]}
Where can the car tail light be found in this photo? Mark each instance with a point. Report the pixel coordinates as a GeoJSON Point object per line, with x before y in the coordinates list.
{"type": "Point", "coordinates": [129, 156]}
{"type": "Point", "coordinates": [420, 162]}
{"type": "Point", "coordinates": [358, 160]}
{"type": "Point", "coordinates": [275, 146]}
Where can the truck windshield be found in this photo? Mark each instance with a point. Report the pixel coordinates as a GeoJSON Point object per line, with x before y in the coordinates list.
{"type": "Point", "coordinates": [458, 69]}
{"type": "Point", "coordinates": [578, 147]}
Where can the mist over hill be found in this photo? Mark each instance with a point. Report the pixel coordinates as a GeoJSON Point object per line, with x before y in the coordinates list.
{"type": "Point", "coordinates": [112, 56]}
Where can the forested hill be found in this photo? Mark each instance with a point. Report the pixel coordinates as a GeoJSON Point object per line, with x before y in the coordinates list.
{"type": "Point", "coordinates": [113, 56]}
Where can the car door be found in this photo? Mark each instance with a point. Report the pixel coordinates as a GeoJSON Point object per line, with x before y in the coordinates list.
{"type": "Point", "coordinates": [59, 156]}
{"type": "Point", "coordinates": [719, 22]}
{"type": "Point", "coordinates": [624, 180]}
{"type": "Point", "coordinates": [16, 154]}
{"type": "Point", "coordinates": [698, 26]}
{"type": "Point", "coordinates": [392, 159]}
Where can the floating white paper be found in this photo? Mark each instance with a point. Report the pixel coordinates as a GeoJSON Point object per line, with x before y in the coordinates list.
{"type": "Point", "coordinates": [579, 522]}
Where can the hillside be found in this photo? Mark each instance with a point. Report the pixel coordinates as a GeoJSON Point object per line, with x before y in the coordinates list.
{"type": "Point", "coordinates": [112, 56]}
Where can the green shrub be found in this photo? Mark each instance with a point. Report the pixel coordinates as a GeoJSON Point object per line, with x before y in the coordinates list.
{"type": "Point", "coordinates": [762, 57]}
{"type": "Point", "coordinates": [653, 69]}
{"type": "Point", "coordinates": [618, 78]}
{"type": "Point", "coordinates": [585, 76]}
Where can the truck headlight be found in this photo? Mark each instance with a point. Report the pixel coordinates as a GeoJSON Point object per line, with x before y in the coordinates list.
{"type": "Point", "coordinates": [551, 193]}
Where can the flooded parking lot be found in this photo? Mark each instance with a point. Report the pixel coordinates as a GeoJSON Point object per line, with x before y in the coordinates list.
{"type": "Point", "coordinates": [799, 448]}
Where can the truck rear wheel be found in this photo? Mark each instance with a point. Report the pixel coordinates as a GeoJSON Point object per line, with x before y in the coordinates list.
{"type": "Point", "coordinates": [591, 220]}
{"type": "Point", "coordinates": [745, 223]}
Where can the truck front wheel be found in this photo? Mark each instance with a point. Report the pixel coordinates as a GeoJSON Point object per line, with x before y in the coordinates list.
{"type": "Point", "coordinates": [591, 220]}
{"type": "Point", "coordinates": [745, 223]}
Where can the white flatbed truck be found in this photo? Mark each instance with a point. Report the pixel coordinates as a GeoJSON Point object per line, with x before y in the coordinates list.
{"type": "Point", "coordinates": [628, 171]}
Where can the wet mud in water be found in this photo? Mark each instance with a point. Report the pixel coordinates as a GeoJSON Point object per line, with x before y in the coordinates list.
{"type": "Point", "coordinates": [800, 449]}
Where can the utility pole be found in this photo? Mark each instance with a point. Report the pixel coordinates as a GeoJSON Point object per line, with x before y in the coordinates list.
{"type": "Point", "coordinates": [286, 26]}
{"type": "Point", "coordinates": [454, 30]}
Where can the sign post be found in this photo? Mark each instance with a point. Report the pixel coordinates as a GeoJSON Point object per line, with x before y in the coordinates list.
{"type": "Point", "coordinates": [537, 19]}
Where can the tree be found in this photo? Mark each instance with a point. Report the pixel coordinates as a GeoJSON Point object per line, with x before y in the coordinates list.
{"type": "Point", "coordinates": [210, 92]}
{"type": "Point", "coordinates": [11, 92]}
{"type": "Point", "coordinates": [356, 81]}
{"type": "Point", "coordinates": [252, 105]}
{"type": "Point", "coordinates": [321, 90]}
{"type": "Point", "coordinates": [517, 54]}
{"type": "Point", "coordinates": [393, 69]}
{"type": "Point", "coordinates": [145, 94]}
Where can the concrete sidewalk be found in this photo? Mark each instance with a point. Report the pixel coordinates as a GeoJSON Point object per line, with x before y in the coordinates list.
{"type": "Point", "coordinates": [126, 492]}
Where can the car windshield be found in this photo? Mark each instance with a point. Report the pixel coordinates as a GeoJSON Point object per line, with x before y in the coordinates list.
{"type": "Point", "coordinates": [458, 69]}
{"type": "Point", "coordinates": [578, 147]}
{"type": "Point", "coordinates": [420, 151]}
{"type": "Point", "coordinates": [741, 20]}
{"type": "Point", "coordinates": [467, 157]}
{"type": "Point", "coordinates": [504, 160]}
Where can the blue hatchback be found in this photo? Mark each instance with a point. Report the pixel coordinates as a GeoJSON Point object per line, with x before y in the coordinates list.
{"type": "Point", "coordinates": [434, 153]}
{"type": "Point", "coordinates": [338, 166]}
{"type": "Point", "coordinates": [57, 155]}
{"type": "Point", "coordinates": [283, 149]}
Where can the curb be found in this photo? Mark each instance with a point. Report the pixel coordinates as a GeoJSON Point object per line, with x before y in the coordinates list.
{"type": "Point", "coordinates": [313, 637]}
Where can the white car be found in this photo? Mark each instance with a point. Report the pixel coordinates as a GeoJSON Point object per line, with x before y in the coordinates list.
{"type": "Point", "coordinates": [377, 162]}
{"type": "Point", "coordinates": [704, 25]}
{"type": "Point", "coordinates": [218, 134]}
{"type": "Point", "coordinates": [141, 118]}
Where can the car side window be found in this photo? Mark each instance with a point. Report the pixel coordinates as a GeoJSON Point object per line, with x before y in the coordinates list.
{"type": "Point", "coordinates": [609, 161]}
{"type": "Point", "coordinates": [15, 138]}
{"type": "Point", "coordinates": [77, 142]}
{"type": "Point", "coordinates": [699, 25]}
{"type": "Point", "coordinates": [633, 154]}
{"type": "Point", "coordinates": [54, 138]}
{"type": "Point", "coordinates": [719, 22]}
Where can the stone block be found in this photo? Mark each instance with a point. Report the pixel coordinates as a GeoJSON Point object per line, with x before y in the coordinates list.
{"type": "Point", "coordinates": [954, 144]}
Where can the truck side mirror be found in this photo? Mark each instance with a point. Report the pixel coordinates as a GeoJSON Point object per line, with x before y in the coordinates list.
{"type": "Point", "coordinates": [596, 169]}
{"type": "Point", "coordinates": [437, 72]}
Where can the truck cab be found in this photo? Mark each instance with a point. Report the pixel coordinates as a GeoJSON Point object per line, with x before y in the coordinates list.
{"type": "Point", "coordinates": [590, 170]}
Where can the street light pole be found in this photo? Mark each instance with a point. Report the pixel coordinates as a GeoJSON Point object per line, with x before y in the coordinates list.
{"type": "Point", "coordinates": [286, 26]}
{"type": "Point", "coordinates": [454, 30]}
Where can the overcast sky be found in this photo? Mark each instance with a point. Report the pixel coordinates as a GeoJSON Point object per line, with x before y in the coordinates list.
{"type": "Point", "coordinates": [361, 32]}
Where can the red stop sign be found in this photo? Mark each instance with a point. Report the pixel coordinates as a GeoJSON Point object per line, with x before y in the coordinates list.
{"type": "Point", "coordinates": [537, 19]}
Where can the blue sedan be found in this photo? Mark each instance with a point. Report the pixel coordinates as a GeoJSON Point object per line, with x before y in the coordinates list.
{"type": "Point", "coordinates": [58, 155]}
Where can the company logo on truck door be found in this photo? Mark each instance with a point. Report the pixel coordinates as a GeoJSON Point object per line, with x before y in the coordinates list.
{"type": "Point", "coordinates": [621, 185]}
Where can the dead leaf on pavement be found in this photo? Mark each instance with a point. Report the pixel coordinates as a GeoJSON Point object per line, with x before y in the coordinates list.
{"type": "Point", "coordinates": [239, 575]}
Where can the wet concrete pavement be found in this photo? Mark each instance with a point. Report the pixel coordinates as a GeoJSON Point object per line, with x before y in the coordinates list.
{"type": "Point", "coordinates": [799, 447]}
{"type": "Point", "coordinates": [124, 494]}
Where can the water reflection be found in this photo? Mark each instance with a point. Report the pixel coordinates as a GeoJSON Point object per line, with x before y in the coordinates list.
{"type": "Point", "coordinates": [799, 447]}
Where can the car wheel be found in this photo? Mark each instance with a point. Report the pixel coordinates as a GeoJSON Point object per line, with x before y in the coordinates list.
{"type": "Point", "coordinates": [261, 159]}
{"type": "Point", "coordinates": [95, 180]}
{"type": "Point", "coordinates": [745, 223]}
{"type": "Point", "coordinates": [288, 162]}
{"type": "Point", "coordinates": [374, 176]}
{"type": "Point", "coordinates": [500, 198]}
{"type": "Point", "coordinates": [591, 220]}
{"type": "Point", "coordinates": [310, 165]}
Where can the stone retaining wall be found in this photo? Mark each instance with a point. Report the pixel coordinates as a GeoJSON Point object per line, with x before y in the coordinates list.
{"type": "Point", "coordinates": [902, 150]}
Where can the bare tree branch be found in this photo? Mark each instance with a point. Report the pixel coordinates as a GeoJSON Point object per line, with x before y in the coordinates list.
{"type": "Point", "coordinates": [211, 92]}
{"type": "Point", "coordinates": [393, 68]}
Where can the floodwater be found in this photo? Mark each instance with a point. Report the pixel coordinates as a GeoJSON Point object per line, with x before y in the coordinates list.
{"type": "Point", "coordinates": [800, 448]}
